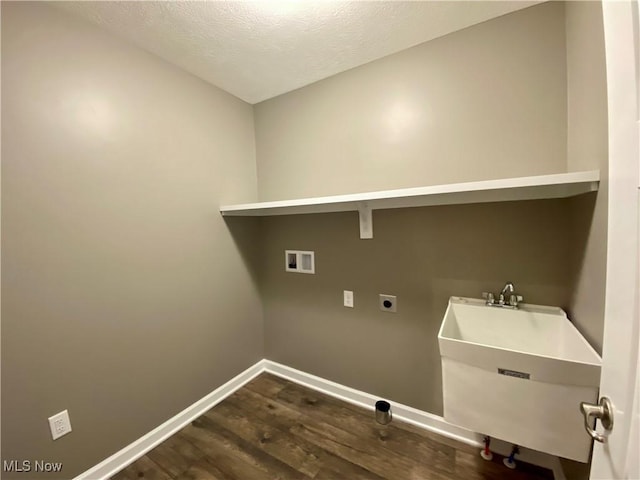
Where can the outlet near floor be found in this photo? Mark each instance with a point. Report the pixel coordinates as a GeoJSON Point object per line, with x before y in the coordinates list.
{"type": "Point", "coordinates": [60, 424]}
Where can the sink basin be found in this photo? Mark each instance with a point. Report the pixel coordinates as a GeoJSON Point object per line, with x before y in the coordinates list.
{"type": "Point", "coordinates": [536, 340]}
{"type": "Point", "coordinates": [518, 375]}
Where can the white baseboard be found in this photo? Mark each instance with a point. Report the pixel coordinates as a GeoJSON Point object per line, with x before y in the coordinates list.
{"type": "Point", "coordinates": [137, 449]}
{"type": "Point", "coordinates": [419, 418]}
{"type": "Point", "coordinates": [405, 413]}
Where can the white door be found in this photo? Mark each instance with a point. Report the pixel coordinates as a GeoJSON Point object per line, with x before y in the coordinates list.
{"type": "Point", "coordinates": [618, 457]}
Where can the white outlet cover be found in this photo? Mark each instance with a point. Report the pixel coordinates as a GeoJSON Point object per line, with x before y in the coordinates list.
{"type": "Point", "coordinates": [60, 424]}
{"type": "Point", "coordinates": [390, 299]}
{"type": "Point", "coordinates": [348, 298]}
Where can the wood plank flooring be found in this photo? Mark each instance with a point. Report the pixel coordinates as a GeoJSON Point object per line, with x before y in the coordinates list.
{"type": "Point", "coordinates": [274, 429]}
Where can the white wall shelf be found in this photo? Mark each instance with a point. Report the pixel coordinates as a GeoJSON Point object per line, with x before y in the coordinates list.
{"type": "Point", "coordinates": [558, 185]}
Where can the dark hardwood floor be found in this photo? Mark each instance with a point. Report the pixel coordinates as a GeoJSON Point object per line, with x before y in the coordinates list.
{"type": "Point", "coordinates": [274, 429]}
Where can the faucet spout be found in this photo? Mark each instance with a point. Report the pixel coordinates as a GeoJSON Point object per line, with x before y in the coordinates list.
{"type": "Point", "coordinates": [508, 289]}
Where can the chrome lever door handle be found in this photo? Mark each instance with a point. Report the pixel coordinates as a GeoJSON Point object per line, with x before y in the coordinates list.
{"type": "Point", "coordinates": [603, 411]}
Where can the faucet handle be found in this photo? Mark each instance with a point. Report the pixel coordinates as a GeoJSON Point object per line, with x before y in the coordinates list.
{"type": "Point", "coordinates": [515, 299]}
{"type": "Point", "coordinates": [489, 297]}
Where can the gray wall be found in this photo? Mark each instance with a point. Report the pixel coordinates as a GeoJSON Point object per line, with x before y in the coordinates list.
{"type": "Point", "coordinates": [587, 148]}
{"type": "Point", "coordinates": [422, 255]}
{"type": "Point", "coordinates": [486, 102]}
{"type": "Point", "coordinates": [125, 297]}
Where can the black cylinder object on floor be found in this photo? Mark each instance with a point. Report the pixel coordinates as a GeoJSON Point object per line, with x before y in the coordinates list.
{"type": "Point", "coordinates": [383, 412]}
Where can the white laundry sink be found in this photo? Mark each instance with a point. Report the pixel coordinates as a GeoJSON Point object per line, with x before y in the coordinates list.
{"type": "Point", "coordinates": [535, 340]}
{"type": "Point", "coordinates": [518, 375]}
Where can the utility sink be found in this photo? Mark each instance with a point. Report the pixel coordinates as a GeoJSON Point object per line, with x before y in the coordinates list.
{"type": "Point", "coordinates": [535, 340]}
{"type": "Point", "coordinates": [518, 375]}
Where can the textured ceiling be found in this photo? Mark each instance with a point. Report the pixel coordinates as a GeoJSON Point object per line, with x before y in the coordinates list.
{"type": "Point", "coordinates": [258, 50]}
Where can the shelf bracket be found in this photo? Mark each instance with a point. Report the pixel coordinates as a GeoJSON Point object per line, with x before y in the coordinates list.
{"type": "Point", "coordinates": [366, 221]}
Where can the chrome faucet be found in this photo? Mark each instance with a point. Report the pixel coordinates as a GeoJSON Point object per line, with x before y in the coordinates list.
{"type": "Point", "coordinates": [507, 298]}
{"type": "Point", "coordinates": [506, 290]}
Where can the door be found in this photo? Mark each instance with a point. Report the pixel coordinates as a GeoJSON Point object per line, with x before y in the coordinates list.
{"type": "Point", "coordinates": [618, 457]}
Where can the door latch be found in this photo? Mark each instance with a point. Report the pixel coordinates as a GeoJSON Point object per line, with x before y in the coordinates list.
{"type": "Point", "coordinates": [603, 411]}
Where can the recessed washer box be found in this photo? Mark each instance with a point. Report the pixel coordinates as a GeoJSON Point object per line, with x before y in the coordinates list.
{"type": "Point", "coordinates": [299, 261]}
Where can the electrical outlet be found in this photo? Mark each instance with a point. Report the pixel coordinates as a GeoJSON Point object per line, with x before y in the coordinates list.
{"type": "Point", "coordinates": [348, 298]}
{"type": "Point", "coordinates": [388, 303]}
{"type": "Point", "coordinates": [60, 424]}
